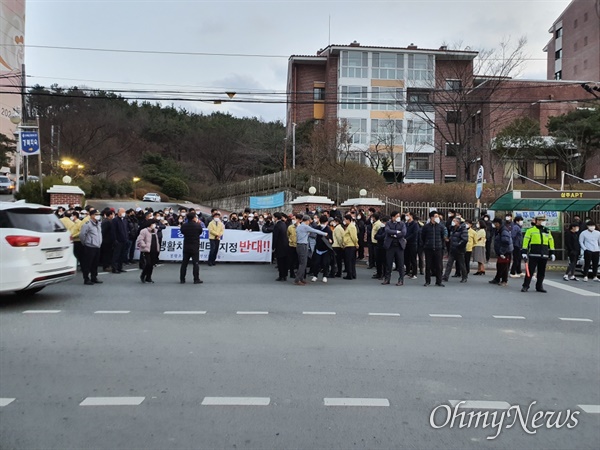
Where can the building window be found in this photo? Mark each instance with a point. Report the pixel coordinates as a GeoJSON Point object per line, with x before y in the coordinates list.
{"type": "Point", "coordinates": [558, 54]}
{"type": "Point", "coordinates": [542, 171]}
{"type": "Point", "coordinates": [418, 100]}
{"type": "Point", "coordinates": [558, 75]}
{"type": "Point", "coordinates": [449, 178]}
{"type": "Point", "coordinates": [387, 99]}
{"type": "Point", "coordinates": [476, 122]}
{"type": "Point", "coordinates": [558, 33]}
{"type": "Point", "coordinates": [357, 131]}
{"type": "Point", "coordinates": [354, 97]}
{"type": "Point", "coordinates": [319, 94]}
{"type": "Point", "coordinates": [420, 67]}
{"type": "Point", "coordinates": [452, 149]}
{"type": "Point", "coordinates": [388, 66]}
{"type": "Point", "coordinates": [585, 41]}
{"type": "Point", "coordinates": [515, 166]}
{"type": "Point", "coordinates": [355, 64]}
{"type": "Point", "coordinates": [419, 132]}
{"type": "Point", "coordinates": [417, 162]}
{"type": "Point", "coordinates": [386, 131]}
{"type": "Point", "coordinates": [453, 116]}
{"type": "Point", "coordinates": [453, 85]}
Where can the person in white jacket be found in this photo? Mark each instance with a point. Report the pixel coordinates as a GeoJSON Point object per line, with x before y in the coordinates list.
{"type": "Point", "coordinates": [590, 244]}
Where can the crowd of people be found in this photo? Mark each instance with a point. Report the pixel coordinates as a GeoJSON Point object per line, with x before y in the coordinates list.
{"type": "Point", "coordinates": [328, 244]}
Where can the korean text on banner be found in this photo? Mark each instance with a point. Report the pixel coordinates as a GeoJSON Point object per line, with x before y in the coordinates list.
{"type": "Point", "coordinates": [553, 222]}
{"type": "Point", "coordinates": [235, 246]}
{"type": "Point", "coordinates": [268, 201]}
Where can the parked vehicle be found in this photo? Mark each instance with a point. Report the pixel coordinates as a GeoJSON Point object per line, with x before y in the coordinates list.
{"type": "Point", "coordinates": [36, 248]}
{"type": "Point", "coordinates": [31, 178]}
{"type": "Point", "coordinates": [151, 197]}
{"type": "Point", "coordinates": [7, 186]}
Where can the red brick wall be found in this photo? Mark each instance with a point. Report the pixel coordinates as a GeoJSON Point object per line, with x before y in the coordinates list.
{"type": "Point", "coordinates": [66, 199]}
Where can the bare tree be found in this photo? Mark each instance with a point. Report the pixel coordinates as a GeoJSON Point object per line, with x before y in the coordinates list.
{"type": "Point", "coordinates": [460, 103]}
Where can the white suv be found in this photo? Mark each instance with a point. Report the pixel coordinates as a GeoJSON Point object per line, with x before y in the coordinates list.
{"type": "Point", "coordinates": [35, 247]}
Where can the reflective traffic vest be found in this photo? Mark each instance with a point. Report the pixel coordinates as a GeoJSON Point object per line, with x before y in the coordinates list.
{"type": "Point", "coordinates": [538, 242]}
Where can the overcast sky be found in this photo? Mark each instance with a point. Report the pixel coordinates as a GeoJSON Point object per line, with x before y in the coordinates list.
{"type": "Point", "coordinates": [276, 28]}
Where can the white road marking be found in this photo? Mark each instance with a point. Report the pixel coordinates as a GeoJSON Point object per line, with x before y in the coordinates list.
{"type": "Point", "coordinates": [42, 311]}
{"type": "Point", "coordinates": [112, 312]}
{"type": "Point", "coordinates": [385, 314]}
{"type": "Point", "coordinates": [247, 313]}
{"type": "Point", "coordinates": [590, 409]}
{"type": "Point", "coordinates": [6, 401]}
{"type": "Point", "coordinates": [184, 312]}
{"type": "Point", "coordinates": [574, 290]}
{"type": "Point", "coordinates": [318, 313]}
{"type": "Point", "coordinates": [102, 273]}
{"type": "Point", "coordinates": [452, 316]}
{"type": "Point", "coordinates": [573, 319]}
{"type": "Point", "coordinates": [480, 404]}
{"type": "Point", "coordinates": [132, 270]}
{"type": "Point", "coordinates": [112, 401]}
{"type": "Point", "coordinates": [356, 402]}
{"type": "Point", "coordinates": [509, 317]}
{"type": "Point", "coordinates": [236, 401]}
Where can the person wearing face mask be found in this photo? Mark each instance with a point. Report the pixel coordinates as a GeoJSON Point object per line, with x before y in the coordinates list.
{"type": "Point", "coordinates": [91, 241]}
{"type": "Point", "coordinates": [215, 234]}
{"type": "Point", "coordinates": [120, 235]}
{"type": "Point", "coordinates": [489, 237]}
{"type": "Point", "coordinates": [516, 234]}
{"type": "Point", "coordinates": [292, 244]}
{"type": "Point", "coordinates": [503, 247]}
{"type": "Point", "coordinates": [538, 247]}
{"type": "Point", "coordinates": [432, 238]}
{"type": "Point", "coordinates": [322, 252]}
{"type": "Point", "coordinates": [338, 246]}
{"type": "Point", "coordinates": [394, 243]}
{"type": "Point", "coordinates": [572, 250]}
{"type": "Point", "coordinates": [303, 231]}
{"type": "Point", "coordinates": [479, 246]}
{"type": "Point", "coordinates": [149, 246]}
{"type": "Point", "coordinates": [589, 239]}
{"type": "Point", "coordinates": [459, 238]}
{"type": "Point", "coordinates": [361, 228]}
{"type": "Point", "coordinates": [350, 244]}
{"type": "Point", "coordinates": [233, 223]}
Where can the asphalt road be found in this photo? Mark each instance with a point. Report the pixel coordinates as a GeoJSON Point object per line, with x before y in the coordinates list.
{"type": "Point", "coordinates": [244, 362]}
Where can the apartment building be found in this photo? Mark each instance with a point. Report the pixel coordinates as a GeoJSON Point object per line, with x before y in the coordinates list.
{"type": "Point", "coordinates": [573, 52]}
{"type": "Point", "coordinates": [422, 111]}
{"type": "Point", "coordinates": [381, 96]}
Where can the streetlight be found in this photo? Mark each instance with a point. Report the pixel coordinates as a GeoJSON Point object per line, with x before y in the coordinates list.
{"type": "Point", "coordinates": [135, 180]}
{"type": "Point", "coordinates": [15, 119]}
{"type": "Point", "coordinates": [362, 193]}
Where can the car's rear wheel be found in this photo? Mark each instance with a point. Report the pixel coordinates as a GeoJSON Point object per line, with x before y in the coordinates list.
{"type": "Point", "coordinates": [30, 291]}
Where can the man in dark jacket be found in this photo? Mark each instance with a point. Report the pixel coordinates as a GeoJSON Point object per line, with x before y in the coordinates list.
{"type": "Point", "coordinates": [120, 232]}
{"type": "Point", "coordinates": [233, 223]}
{"type": "Point", "coordinates": [410, 252]}
{"type": "Point", "coordinates": [322, 251]}
{"type": "Point", "coordinates": [503, 247]}
{"type": "Point", "coordinates": [432, 237]}
{"type": "Point", "coordinates": [572, 249]}
{"type": "Point", "coordinates": [459, 236]}
{"type": "Point", "coordinates": [106, 251]}
{"type": "Point", "coordinates": [281, 246]}
{"type": "Point", "coordinates": [516, 234]}
{"type": "Point", "coordinates": [191, 231]}
{"type": "Point", "coordinates": [394, 243]}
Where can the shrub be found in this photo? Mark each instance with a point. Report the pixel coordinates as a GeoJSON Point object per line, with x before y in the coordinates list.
{"type": "Point", "coordinates": [31, 193]}
{"type": "Point", "coordinates": [175, 187]}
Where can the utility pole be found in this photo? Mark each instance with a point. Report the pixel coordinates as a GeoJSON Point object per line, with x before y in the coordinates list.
{"type": "Point", "coordinates": [293, 146]}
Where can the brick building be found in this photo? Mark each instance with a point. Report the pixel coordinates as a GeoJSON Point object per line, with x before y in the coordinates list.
{"type": "Point", "coordinates": [423, 109]}
{"type": "Point", "coordinates": [377, 92]}
{"type": "Point", "coordinates": [574, 49]}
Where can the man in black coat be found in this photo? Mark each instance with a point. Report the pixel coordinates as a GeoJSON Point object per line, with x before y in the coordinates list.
{"type": "Point", "coordinates": [191, 231]}
{"type": "Point", "coordinates": [394, 243]}
{"type": "Point", "coordinates": [280, 246]}
{"type": "Point", "coordinates": [432, 237]}
{"type": "Point", "coordinates": [120, 232]}
{"type": "Point", "coordinates": [459, 236]}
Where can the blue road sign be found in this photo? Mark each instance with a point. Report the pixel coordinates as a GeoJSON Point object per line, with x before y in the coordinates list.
{"type": "Point", "coordinates": [30, 143]}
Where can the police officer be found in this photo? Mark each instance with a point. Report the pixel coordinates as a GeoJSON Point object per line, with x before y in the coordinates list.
{"type": "Point", "coordinates": [538, 246]}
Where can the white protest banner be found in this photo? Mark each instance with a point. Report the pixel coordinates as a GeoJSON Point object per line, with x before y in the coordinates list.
{"type": "Point", "coordinates": [235, 246]}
